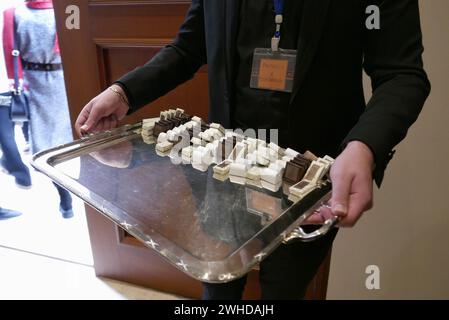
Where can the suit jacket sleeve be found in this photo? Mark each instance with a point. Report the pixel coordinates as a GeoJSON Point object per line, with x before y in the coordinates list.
{"type": "Point", "coordinates": [172, 66]}
{"type": "Point", "coordinates": [393, 60]}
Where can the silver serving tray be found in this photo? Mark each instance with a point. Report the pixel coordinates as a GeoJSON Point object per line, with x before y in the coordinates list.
{"type": "Point", "coordinates": [213, 231]}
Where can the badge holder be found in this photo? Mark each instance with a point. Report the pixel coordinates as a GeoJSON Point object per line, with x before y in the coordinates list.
{"type": "Point", "coordinates": [273, 70]}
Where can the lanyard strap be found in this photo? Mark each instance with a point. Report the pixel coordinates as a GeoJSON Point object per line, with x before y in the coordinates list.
{"type": "Point", "coordinates": [278, 19]}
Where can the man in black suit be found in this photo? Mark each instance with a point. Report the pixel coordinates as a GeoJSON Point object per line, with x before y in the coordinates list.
{"type": "Point", "coordinates": [324, 112]}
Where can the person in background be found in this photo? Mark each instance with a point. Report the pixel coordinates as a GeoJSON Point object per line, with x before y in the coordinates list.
{"type": "Point", "coordinates": [43, 75]}
{"type": "Point", "coordinates": [11, 161]}
{"type": "Point", "coordinates": [8, 213]}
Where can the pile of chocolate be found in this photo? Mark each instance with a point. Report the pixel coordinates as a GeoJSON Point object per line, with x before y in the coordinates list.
{"type": "Point", "coordinates": [169, 120]}
{"type": "Point", "coordinates": [242, 160]}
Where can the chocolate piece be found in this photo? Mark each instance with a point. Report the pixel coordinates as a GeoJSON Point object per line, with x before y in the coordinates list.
{"type": "Point", "coordinates": [237, 180]}
{"type": "Point", "coordinates": [220, 177]}
{"type": "Point", "coordinates": [294, 172]}
{"type": "Point", "coordinates": [310, 156]}
{"type": "Point", "coordinates": [164, 146]}
{"type": "Point", "coordinates": [300, 190]}
{"type": "Point", "coordinates": [161, 126]}
{"type": "Point", "coordinates": [315, 172]}
{"type": "Point", "coordinates": [222, 168]}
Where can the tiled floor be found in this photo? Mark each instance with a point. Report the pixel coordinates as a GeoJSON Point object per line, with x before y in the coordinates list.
{"type": "Point", "coordinates": [43, 256]}
{"type": "Point", "coordinates": [31, 276]}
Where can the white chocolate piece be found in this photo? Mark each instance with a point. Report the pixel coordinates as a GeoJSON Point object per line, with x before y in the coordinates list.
{"type": "Point", "coordinates": [197, 142]}
{"type": "Point", "coordinates": [293, 198]}
{"type": "Point", "coordinates": [172, 136]}
{"type": "Point", "coordinates": [215, 133]}
{"type": "Point", "coordinates": [281, 152]}
{"type": "Point", "coordinates": [270, 186]}
{"type": "Point", "coordinates": [237, 169]}
{"type": "Point", "coordinates": [255, 183]}
{"type": "Point", "coordinates": [261, 143]}
{"type": "Point", "coordinates": [164, 146]}
{"type": "Point", "coordinates": [329, 159]}
{"type": "Point", "coordinates": [242, 154]}
{"type": "Point", "coordinates": [237, 180]}
{"type": "Point", "coordinates": [219, 127]}
{"type": "Point", "coordinates": [220, 177]}
{"type": "Point", "coordinates": [273, 155]}
{"type": "Point", "coordinates": [326, 164]}
{"type": "Point", "coordinates": [222, 168]}
{"type": "Point", "coordinates": [207, 157]}
{"type": "Point", "coordinates": [263, 152]}
{"type": "Point", "coordinates": [162, 137]}
{"type": "Point", "coordinates": [181, 111]}
{"type": "Point", "coordinates": [206, 136]}
{"type": "Point", "coordinates": [281, 163]}
{"type": "Point", "coordinates": [274, 147]}
{"type": "Point", "coordinates": [252, 157]}
{"type": "Point", "coordinates": [187, 151]}
{"type": "Point", "coordinates": [197, 159]}
{"type": "Point", "coordinates": [197, 119]}
{"type": "Point", "coordinates": [286, 159]}
{"type": "Point", "coordinates": [291, 153]}
{"type": "Point", "coordinates": [275, 167]}
{"type": "Point", "coordinates": [146, 133]}
{"type": "Point", "coordinates": [253, 173]}
{"type": "Point", "coordinates": [301, 189]}
{"type": "Point", "coordinates": [270, 175]}
{"type": "Point", "coordinates": [197, 156]}
{"type": "Point", "coordinates": [177, 130]}
{"type": "Point", "coordinates": [149, 140]}
{"type": "Point", "coordinates": [252, 145]}
{"type": "Point", "coordinates": [186, 160]}
{"type": "Point", "coordinates": [262, 161]}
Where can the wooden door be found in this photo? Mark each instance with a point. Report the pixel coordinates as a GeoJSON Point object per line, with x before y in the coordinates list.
{"type": "Point", "coordinates": [114, 37]}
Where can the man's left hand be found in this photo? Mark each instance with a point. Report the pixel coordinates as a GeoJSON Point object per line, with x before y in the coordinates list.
{"type": "Point", "coordinates": [352, 186]}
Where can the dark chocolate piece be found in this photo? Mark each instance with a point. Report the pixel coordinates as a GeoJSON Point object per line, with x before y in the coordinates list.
{"type": "Point", "coordinates": [294, 172]}
{"type": "Point", "coordinates": [161, 126]}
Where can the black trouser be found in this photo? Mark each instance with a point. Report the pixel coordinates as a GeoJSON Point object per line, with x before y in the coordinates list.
{"type": "Point", "coordinates": [284, 274]}
{"type": "Point", "coordinates": [11, 159]}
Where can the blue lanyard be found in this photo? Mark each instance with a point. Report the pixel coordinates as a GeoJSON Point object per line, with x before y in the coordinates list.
{"type": "Point", "coordinates": [278, 6]}
{"type": "Point", "coordinates": [278, 19]}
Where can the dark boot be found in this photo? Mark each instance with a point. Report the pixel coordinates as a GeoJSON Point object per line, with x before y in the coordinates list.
{"type": "Point", "coordinates": [8, 214]}
{"type": "Point", "coordinates": [65, 205]}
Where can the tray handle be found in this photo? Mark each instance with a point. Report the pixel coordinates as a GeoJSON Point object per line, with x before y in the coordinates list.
{"type": "Point", "coordinates": [300, 234]}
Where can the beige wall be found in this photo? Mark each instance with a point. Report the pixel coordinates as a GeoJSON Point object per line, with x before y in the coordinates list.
{"type": "Point", "coordinates": [407, 233]}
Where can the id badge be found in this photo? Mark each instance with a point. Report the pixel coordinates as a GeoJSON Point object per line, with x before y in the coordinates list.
{"type": "Point", "coordinates": [273, 70]}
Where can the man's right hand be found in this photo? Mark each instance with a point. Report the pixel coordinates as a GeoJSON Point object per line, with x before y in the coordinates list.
{"type": "Point", "coordinates": [102, 113]}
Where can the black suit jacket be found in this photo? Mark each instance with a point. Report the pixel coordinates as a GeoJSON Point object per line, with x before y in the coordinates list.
{"type": "Point", "coordinates": [327, 107]}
